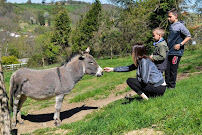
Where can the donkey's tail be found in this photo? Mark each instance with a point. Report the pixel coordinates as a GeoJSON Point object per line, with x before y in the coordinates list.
{"type": "Point", "coordinates": [11, 91]}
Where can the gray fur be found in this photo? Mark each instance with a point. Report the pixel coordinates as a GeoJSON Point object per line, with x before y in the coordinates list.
{"type": "Point", "coordinates": [45, 84]}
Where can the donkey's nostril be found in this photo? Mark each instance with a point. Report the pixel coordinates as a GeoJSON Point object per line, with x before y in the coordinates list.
{"type": "Point", "coordinates": [99, 75]}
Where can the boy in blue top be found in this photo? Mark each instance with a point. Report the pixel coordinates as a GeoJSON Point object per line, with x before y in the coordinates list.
{"type": "Point", "coordinates": [178, 36]}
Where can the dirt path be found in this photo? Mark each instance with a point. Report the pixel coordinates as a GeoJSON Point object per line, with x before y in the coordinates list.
{"type": "Point", "coordinates": [72, 112]}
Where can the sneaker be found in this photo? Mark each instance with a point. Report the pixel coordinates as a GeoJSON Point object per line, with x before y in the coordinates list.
{"type": "Point", "coordinates": [170, 88]}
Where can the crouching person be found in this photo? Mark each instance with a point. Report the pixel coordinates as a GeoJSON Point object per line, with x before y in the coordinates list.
{"type": "Point", "coordinates": [149, 81]}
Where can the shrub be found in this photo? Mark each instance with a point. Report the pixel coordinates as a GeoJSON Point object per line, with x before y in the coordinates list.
{"type": "Point", "coordinates": [6, 60]}
{"type": "Point", "coordinates": [41, 29]}
{"type": "Point", "coordinates": [35, 61]}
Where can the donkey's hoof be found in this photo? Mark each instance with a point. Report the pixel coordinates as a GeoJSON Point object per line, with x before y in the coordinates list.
{"type": "Point", "coordinates": [57, 123]}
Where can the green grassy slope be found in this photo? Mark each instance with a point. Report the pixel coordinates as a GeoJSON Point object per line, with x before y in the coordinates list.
{"type": "Point", "coordinates": [177, 112]}
{"type": "Point", "coordinates": [47, 8]}
{"type": "Point", "coordinates": [93, 87]}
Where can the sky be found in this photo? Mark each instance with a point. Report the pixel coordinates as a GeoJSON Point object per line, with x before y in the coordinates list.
{"type": "Point", "coordinates": [48, 1]}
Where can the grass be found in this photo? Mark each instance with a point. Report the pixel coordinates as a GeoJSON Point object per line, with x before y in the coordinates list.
{"type": "Point", "coordinates": [93, 87]}
{"type": "Point", "coordinates": [177, 112]}
{"type": "Point", "coordinates": [48, 8]}
{"type": "Point", "coordinates": [190, 60]}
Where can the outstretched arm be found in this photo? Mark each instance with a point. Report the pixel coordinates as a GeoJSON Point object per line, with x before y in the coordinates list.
{"type": "Point", "coordinates": [108, 69]}
{"type": "Point", "coordinates": [121, 69]}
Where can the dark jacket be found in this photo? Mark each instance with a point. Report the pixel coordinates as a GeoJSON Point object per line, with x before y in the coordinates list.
{"type": "Point", "coordinates": [160, 55]}
{"type": "Point", "coordinates": [147, 72]}
{"type": "Point", "coordinates": [177, 34]}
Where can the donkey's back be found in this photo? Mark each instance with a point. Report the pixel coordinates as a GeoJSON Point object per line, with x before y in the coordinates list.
{"type": "Point", "coordinates": [37, 84]}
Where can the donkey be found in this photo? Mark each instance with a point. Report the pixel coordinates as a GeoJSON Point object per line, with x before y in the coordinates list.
{"type": "Point", "coordinates": [45, 84]}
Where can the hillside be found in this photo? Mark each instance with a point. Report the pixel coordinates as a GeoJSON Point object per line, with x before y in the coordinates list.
{"type": "Point", "coordinates": [18, 17]}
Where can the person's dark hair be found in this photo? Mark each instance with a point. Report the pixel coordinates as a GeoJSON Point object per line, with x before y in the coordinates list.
{"type": "Point", "coordinates": [174, 11]}
{"type": "Point", "coordinates": [139, 51]}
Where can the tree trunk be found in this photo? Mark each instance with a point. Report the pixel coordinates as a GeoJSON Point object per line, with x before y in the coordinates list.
{"type": "Point", "coordinates": [5, 122]}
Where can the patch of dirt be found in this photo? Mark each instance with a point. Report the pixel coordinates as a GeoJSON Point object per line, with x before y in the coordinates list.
{"type": "Point", "coordinates": [144, 131]}
{"type": "Point", "coordinates": [181, 76]}
{"type": "Point", "coordinates": [71, 112]}
{"type": "Point", "coordinates": [121, 87]}
{"type": "Point", "coordinates": [58, 132]}
{"type": "Point", "coordinates": [199, 68]}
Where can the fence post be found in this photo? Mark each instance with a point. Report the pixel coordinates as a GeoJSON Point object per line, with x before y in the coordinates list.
{"type": "Point", "coordinates": [5, 121]}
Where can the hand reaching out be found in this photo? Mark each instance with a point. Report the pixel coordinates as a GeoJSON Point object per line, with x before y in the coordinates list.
{"type": "Point", "coordinates": [108, 69]}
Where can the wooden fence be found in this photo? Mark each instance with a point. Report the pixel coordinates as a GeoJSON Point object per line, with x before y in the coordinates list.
{"type": "Point", "coordinates": [14, 66]}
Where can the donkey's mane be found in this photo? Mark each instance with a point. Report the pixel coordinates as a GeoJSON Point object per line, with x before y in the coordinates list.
{"type": "Point", "coordinates": [70, 58]}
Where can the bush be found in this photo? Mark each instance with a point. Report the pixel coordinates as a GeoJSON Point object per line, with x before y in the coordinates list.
{"type": "Point", "coordinates": [6, 60]}
{"type": "Point", "coordinates": [35, 61]}
{"type": "Point", "coordinates": [41, 29]}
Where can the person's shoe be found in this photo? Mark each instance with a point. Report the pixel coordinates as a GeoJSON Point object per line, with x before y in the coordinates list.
{"type": "Point", "coordinates": [144, 96]}
{"type": "Point", "coordinates": [170, 88]}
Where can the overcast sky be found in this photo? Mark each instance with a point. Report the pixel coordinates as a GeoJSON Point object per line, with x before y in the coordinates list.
{"type": "Point", "coordinates": [48, 1]}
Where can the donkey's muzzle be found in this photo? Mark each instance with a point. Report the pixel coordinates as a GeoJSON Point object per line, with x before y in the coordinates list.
{"type": "Point", "coordinates": [99, 72]}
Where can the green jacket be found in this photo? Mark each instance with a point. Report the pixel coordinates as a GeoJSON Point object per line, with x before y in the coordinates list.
{"type": "Point", "coordinates": [160, 51]}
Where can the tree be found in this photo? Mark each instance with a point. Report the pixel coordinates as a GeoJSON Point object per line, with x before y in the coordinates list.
{"type": "Point", "coordinates": [29, 2]}
{"type": "Point", "coordinates": [41, 19]}
{"type": "Point", "coordinates": [61, 30]}
{"type": "Point", "coordinates": [46, 15]}
{"type": "Point", "coordinates": [86, 27]}
{"type": "Point", "coordinates": [139, 17]}
{"type": "Point", "coordinates": [45, 49]}
{"type": "Point", "coordinates": [107, 41]}
{"type": "Point", "coordinates": [2, 2]}
{"type": "Point", "coordinates": [43, 2]}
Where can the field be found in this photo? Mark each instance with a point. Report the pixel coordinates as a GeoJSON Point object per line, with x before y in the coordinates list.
{"type": "Point", "coordinates": [48, 8]}
{"type": "Point", "coordinates": [177, 112]}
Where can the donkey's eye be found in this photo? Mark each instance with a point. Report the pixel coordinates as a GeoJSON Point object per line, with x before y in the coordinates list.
{"type": "Point", "coordinates": [91, 62]}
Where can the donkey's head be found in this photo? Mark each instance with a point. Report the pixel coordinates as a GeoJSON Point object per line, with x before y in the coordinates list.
{"type": "Point", "coordinates": [90, 65]}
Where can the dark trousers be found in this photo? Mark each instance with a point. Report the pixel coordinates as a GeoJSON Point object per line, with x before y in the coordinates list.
{"type": "Point", "coordinates": [171, 71]}
{"type": "Point", "coordinates": [147, 89]}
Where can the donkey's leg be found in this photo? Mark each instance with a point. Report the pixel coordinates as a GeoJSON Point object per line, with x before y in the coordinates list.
{"type": "Point", "coordinates": [15, 106]}
{"type": "Point", "coordinates": [22, 100]}
{"type": "Point", "coordinates": [59, 100]}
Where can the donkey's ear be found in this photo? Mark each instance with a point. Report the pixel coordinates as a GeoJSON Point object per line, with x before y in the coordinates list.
{"type": "Point", "coordinates": [87, 50]}
{"type": "Point", "coordinates": [81, 57]}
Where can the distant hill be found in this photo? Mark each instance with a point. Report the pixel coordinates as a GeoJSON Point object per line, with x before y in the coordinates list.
{"type": "Point", "coordinates": [18, 17]}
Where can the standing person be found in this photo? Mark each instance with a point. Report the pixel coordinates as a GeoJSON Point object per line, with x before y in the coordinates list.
{"type": "Point", "coordinates": [149, 81]}
{"type": "Point", "coordinates": [178, 36]}
{"type": "Point", "coordinates": [159, 55]}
